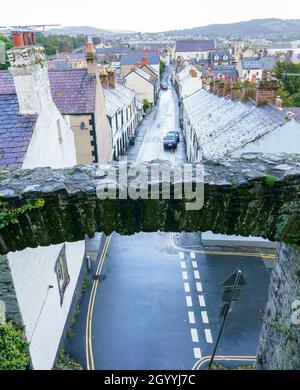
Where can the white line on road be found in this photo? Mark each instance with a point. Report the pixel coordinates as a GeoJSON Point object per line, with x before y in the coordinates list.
{"type": "Point", "coordinates": [181, 255]}
{"type": "Point", "coordinates": [204, 317]}
{"type": "Point", "coordinates": [197, 353]}
{"type": "Point", "coordinates": [208, 336]}
{"type": "Point", "coordinates": [182, 264]}
{"type": "Point", "coordinates": [185, 275]}
{"type": "Point", "coordinates": [192, 317]}
{"type": "Point", "coordinates": [187, 287]}
{"type": "Point", "coordinates": [194, 263]}
{"type": "Point", "coordinates": [193, 255]}
{"type": "Point", "coordinates": [201, 300]}
{"type": "Point", "coordinates": [189, 301]}
{"type": "Point", "coordinates": [199, 287]}
{"type": "Point", "coordinates": [196, 274]}
{"type": "Point", "coordinates": [194, 334]}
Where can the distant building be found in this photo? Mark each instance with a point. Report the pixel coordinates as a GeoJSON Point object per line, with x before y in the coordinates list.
{"type": "Point", "coordinates": [250, 69]}
{"type": "Point", "coordinates": [128, 62]}
{"type": "Point", "coordinates": [220, 58]}
{"type": "Point", "coordinates": [193, 49]}
{"type": "Point", "coordinates": [144, 85]}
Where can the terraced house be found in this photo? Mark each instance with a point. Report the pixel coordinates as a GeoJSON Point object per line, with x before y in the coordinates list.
{"type": "Point", "coordinates": [39, 287]}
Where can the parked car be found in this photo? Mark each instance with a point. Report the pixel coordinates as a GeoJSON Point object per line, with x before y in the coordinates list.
{"type": "Point", "coordinates": [170, 141]}
{"type": "Point", "coordinates": [164, 87]}
{"type": "Point", "coordinates": [175, 132]}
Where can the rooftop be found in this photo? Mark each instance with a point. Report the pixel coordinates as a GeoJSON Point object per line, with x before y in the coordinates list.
{"type": "Point", "coordinates": [130, 59]}
{"type": "Point", "coordinates": [223, 126]}
{"type": "Point", "coordinates": [193, 45]}
{"type": "Point", "coordinates": [251, 63]}
{"type": "Point", "coordinates": [73, 91]}
{"type": "Point", "coordinates": [15, 132]}
{"type": "Point", "coordinates": [117, 98]}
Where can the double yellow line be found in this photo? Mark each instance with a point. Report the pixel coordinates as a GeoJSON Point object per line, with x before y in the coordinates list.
{"type": "Point", "coordinates": [88, 332]}
{"type": "Point", "coordinates": [206, 359]}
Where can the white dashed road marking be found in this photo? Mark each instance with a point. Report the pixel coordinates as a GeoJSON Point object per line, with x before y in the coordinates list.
{"type": "Point", "coordinates": [201, 300]}
{"type": "Point", "coordinates": [182, 264]}
{"type": "Point", "coordinates": [194, 334]}
{"type": "Point", "coordinates": [189, 301]}
{"type": "Point", "coordinates": [194, 263]}
{"type": "Point", "coordinates": [192, 317]}
{"type": "Point", "coordinates": [181, 255]}
{"type": "Point", "coordinates": [199, 287]}
{"type": "Point", "coordinates": [197, 353]}
{"type": "Point", "coordinates": [204, 317]}
{"type": "Point", "coordinates": [196, 274]}
{"type": "Point", "coordinates": [187, 287]}
{"type": "Point", "coordinates": [208, 336]}
{"type": "Point", "coordinates": [185, 275]}
{"type": "Point", "coordinates": [193, 256]}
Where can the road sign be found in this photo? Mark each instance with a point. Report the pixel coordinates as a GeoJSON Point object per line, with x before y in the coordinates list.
{"type": "Point", "coordinates": [228, 292]}
{"type": "Point", "coordinates": [231, 293]}
{"type": "Point", "coordinates": [231, 279]}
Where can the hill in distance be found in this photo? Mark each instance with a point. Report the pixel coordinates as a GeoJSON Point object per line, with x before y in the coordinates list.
{"type": "Point", "coordinates": [88, 30]}
{"type": "Point", "coordinates": [266, 27]}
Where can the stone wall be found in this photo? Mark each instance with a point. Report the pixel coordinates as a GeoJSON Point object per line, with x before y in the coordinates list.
{"type": "Point", "coordinates": [279, 347]}
{"type": "Point", "coordinates": [8, 293]}
{"type": "Point", "coordinates": [256, 195]}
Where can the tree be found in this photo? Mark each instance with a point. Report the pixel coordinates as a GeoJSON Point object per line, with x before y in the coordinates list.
{"type": "Point", "coordinates": [289, 76]}
{"type": "Point", "coordinates": [146, 105]}
{"type": "Point", "coordinates": [6, 44]}
{"type": "Point", "coordinates": [162, 67]}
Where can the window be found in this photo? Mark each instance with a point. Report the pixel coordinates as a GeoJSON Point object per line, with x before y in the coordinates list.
{"type": "Point", "coordinates": [61, 270]}
{"type": "Point", "coordinates": [59, 133]}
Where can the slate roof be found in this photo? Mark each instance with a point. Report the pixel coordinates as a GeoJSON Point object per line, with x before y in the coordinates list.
{"type": "Point", "coordinates": [7, 85]}
{"type": "Point", "coordinates": [221, 54]}
{"type": "Point", "coordinates": [223, 126]}
{"type": "Point", "coordinates": [226, 70]}
{"type": "Point", "coordinates": [268, 63]}
{"type": "Point", "coordinates": [295, 111]}
{"type": "Point", "coordinates": [73, 91]}
{"type": "Point", "coordinates": [190, 45]}
{"type": "Point", "coordinates": [251, 63]}
{"type": "Point", "coordinates": [117, 99]}
{"type": "Point", "coordinates": [60, 65]}
{"type": "Point", "coordinates": [15, 132]}
{"type": "Point", "coordinates": [153, 59]}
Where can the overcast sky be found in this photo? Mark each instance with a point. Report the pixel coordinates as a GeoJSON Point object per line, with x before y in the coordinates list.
{"type": "Point", "coordinates": [141, 15]}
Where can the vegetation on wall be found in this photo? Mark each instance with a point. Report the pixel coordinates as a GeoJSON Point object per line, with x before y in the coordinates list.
{"type": "Point", "coordinates": [8, 216]}
{"type": "Point", "coordinates": [146, 105]}
{"type": "Point", "coordinates": [14, 353]}
{"type": "Point", "coordinates": [289, 76]}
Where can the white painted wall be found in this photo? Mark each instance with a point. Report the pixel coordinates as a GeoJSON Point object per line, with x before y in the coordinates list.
{"type": "Point", "coordinates": [142, 87]}
{"type": "Point", "coordinates": [203, 55]}
{"type": "Point", "coordinates": [285, 139]}
{"type": "Point", "coordinates": [43, 316]}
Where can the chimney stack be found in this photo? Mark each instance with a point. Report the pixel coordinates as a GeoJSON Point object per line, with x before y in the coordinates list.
{"type": "Point", "coordinates": [266, 92]}
{"type": "Point", "coordinates": [103, 77]}
{"type": "Point", "coordinates": [111, 78]}
{"type": "Point", "coordinates": [144, 61]}
{"type": "Point", "coordinates": [30, 73]}
{"type": "Point", "coordinates": [193, 73]}
{"type": "Point", "coordinates": [279, 102]}
{"type": "Point", "coordinates": [92, 67]}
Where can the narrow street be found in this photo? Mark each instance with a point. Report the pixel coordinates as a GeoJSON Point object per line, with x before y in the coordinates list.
{"type": "Point", "coordinates": [157, 303]}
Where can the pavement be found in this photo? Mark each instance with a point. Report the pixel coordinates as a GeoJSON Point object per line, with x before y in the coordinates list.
{"type": "Point", "coordinates": [157, 302]}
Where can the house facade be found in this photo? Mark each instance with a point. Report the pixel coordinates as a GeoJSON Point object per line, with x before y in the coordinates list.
{"type": "Point", "coordinates": [250, 69]}
{"type": "Point", "coordinates": [192, 49]}
{"type": "Point", "coordinates": [38, 287]}
{"type": "Point", "coordinates": [143, 84]}
{"type": "Point", "coordinates": [123, 113]}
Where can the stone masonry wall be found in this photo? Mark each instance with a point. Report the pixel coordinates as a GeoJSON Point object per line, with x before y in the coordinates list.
{"type": "Point", "coordinates": [8, 293]}
{"type": "Point", "coordinates": [279, 347]}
